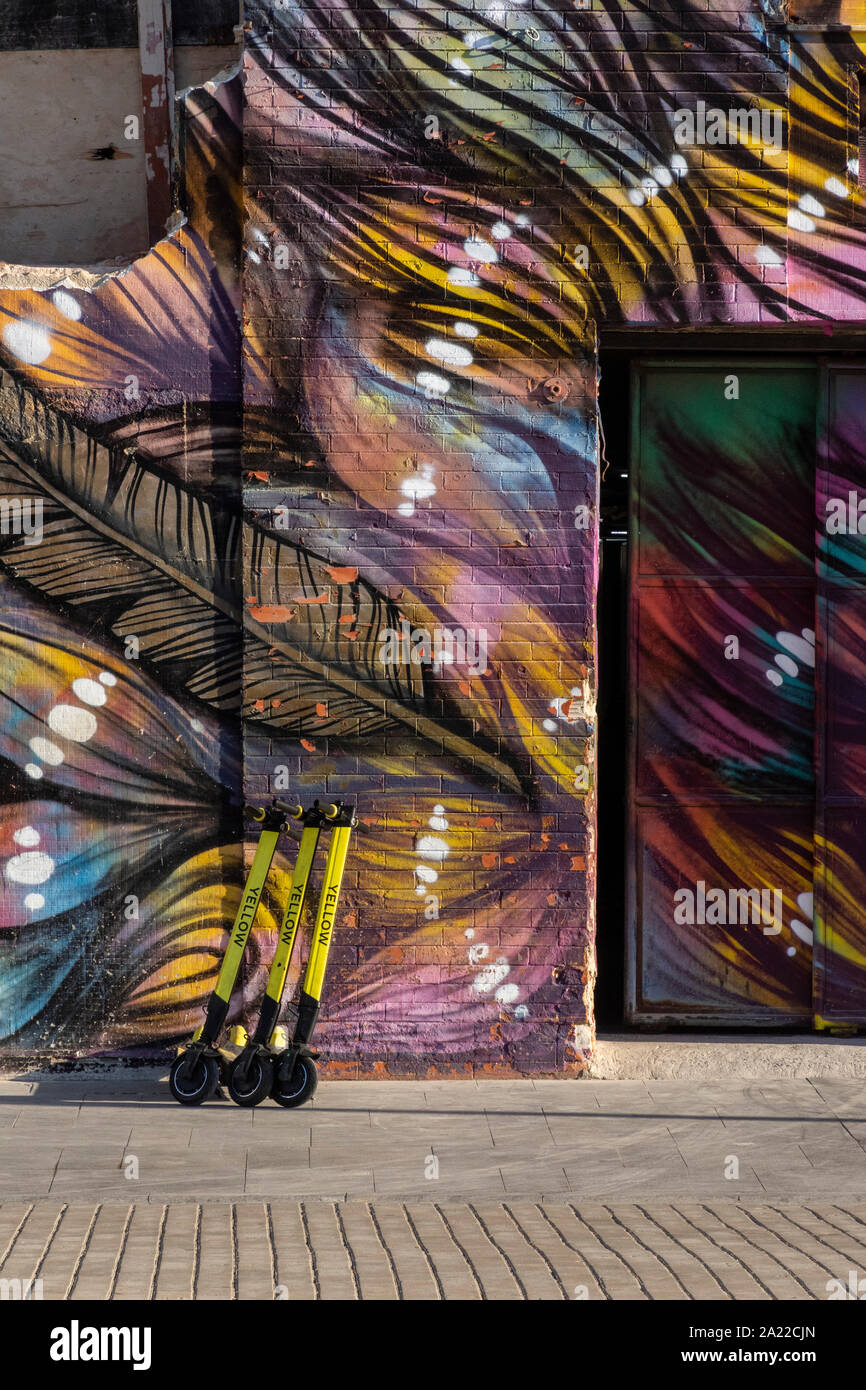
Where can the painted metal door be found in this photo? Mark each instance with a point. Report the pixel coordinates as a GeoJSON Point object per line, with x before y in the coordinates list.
{"type": "Point", "coordinates": [722, 787]}
{"type": "Point", "coordinates": [840, 870]}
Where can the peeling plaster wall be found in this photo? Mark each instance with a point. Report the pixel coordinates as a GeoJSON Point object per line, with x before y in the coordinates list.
{"type": "Point", "coordinates": [71, 108]}
{"type": "Point", "coordinates": [87, 164]}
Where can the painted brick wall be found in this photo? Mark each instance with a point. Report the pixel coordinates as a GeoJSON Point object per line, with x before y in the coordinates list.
{"type": "Point", "coordinates": [394, 391]}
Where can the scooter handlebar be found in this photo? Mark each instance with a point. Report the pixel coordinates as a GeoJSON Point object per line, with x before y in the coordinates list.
{"type": "Point", "coordinates": [295, 810]}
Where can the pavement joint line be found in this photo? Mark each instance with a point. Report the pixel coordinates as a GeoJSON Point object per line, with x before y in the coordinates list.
{"type": "Point", "coordinates": [538, 1251]}
{"type": "Point", "coordinates": [157, 1255]}
{"type": "Point", "coordinates": [742, 1235]}
{"type": "Point", "coordinates": [691, 1253]}
{"type": "Point", "coordinates": [424, 1251]}
{"type": "Point", "coordinates": [508, 1262]}
{"type": "Point", "coordinates": [73, 1278]}
{"type": "Point", "coordinates": [601, 1241]}
{"type": "Point", "coordinates": [650, 1251]}
{"type": "Point", "coordinates": [121, 1251]}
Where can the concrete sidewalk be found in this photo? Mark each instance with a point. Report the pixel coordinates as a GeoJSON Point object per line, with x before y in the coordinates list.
{"type": "Point", "coordinates": [448, 1189]}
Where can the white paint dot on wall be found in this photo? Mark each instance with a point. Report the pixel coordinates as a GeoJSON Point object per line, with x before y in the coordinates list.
{"type": "Point", "coordinates": [27, 837]}
{"type": "Point", "coordinates": [33, 770]}
{"type": "Point", "coordinates": [507, 994]}
{"type": "Point", "coordinates": [27, 341]}
{"type": "Point", "coordinates": [66, 305]}
{"type": "Point", "coordinates": [480, 250]}
{"type": "Point", "coordinates": [426, 874]}
{"type": "Point", "coordinates": [31, 867]}
{"type": "Point", "coordinates": [418, 488]}
{"type": "Point", "coordinates": [799, 221]}
{"type": "Point", "coordinates": [799, 647]}
{"type": "Point", "coordinates": [491, 976]}
{"type": "Point", "coordinates": [450, 353]}
{"type": "Point", "coordinates": [78, 725]}
{"type": "Point", "coordinates": [460, 275]}
{"type": "Point", "coordinates": [836, 187]}
{"type": "Point", "coordinates": [810, 205]}
{"type": "Point", "coordinates": [34, 901]}
{"type": "Point", "coordinates": [107, 678]}
{"type": "Point", "coordinates": [500, 231]}
{"type": "Point", "coordinates": [431, 381]}
{"type": "Point", "coordinates": [89, 692]}
{"type": "Point", "coordinates": [431, 847]}
{"type": "Point", "coordinates": [465, 330]}
{"type": "Point", "coordinates": [47, 751]}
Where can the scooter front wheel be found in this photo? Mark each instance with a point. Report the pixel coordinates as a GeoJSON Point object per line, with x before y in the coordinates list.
{"type": "Point", "coordinates": [199, 1085]}
{"type": "Point", "coordinates": [300, 1087]}
{"type": "Point", "coordinates": [255, 1086]}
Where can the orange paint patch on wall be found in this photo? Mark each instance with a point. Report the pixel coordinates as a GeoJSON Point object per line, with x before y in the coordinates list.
{"type": "Point", "coordinates": [273, 613]}
{"type": "Point", "coordinates": [342, 574]}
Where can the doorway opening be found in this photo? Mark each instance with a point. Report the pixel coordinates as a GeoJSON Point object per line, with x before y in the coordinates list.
{"type": "Point", "coordinates": [731, 661]}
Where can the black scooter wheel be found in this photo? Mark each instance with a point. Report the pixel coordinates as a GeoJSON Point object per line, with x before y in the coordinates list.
{"type": "Point", "coordinates": [256, 1085]}
{"type": "Point", "coordinates": [303, 1083]}
{"type": "Point", "coordinates": [199, 1085]}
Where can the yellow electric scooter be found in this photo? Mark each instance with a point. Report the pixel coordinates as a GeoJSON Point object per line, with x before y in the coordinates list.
{"type": "Point", "coordinates": [295, 1077]}
{"type": "Point", "coordinates": [199, 1068]}
{"type": "Point", "coordinates": [251, 1075]}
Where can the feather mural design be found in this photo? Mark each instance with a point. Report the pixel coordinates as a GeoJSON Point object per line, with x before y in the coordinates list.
{"type": "Point", "coordinates": [160, 565]}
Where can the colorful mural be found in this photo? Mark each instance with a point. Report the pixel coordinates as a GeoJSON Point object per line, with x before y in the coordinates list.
{"type": "Point", "coordinates": [723, 669]}
{"type": "Point", "coordinates": [322, 515]}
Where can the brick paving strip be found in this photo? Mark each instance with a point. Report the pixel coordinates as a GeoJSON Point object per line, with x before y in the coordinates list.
{"type": "Point", "coordinates": [702, 1251]}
